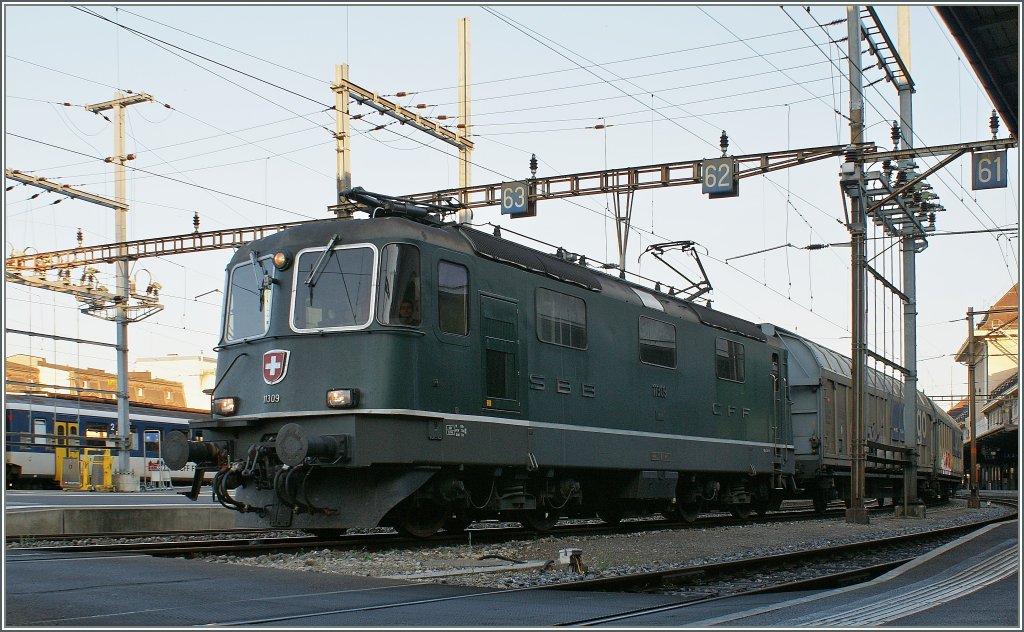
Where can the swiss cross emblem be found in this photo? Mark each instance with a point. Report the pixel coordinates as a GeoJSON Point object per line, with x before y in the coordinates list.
{"type": "Point", "coordinates": [275, 366]}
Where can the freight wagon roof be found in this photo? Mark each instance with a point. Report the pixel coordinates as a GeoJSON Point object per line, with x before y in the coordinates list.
{"type": "Point", "coordinates": [808, 360]}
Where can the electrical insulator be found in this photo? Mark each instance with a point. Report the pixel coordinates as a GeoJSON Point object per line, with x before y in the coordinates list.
{"type": "Point", "coordinates": [723, 142]}
{"type": "Point", "coordinates": [993, 124]}
{"type": "Point", "coordinates": [442, 117]}
{"type": "Point", "coordinates": [401, 94]}
{"type": "Point", "coordinates": [895, 135]}
{"type": "Point", "coordinates": [167, 105]}
{"type": "Point", "coordinates": [421, 106]}
{"type": "Point", "coordinates": [600, 126]}
{"type": "Point", "coordinates": [130, 157]}
{"type": "Point", "coordinates": [195, 221]}
{"type": "Point", "coordinates": [108, 159]}
{"type": "Point", "coordinates": [533, 165]}
{"type": "Point", "coordinates": [80, 237]}
{"type": "Point", "coordinates": [461, 126]}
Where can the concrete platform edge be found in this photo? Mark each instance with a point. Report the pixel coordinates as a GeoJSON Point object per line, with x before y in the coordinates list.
{"type": "Point", "coordinates": [71, 520]}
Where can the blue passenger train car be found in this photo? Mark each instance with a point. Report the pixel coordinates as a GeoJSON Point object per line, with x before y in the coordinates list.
{"type": "Point", "coordinates": [42, 431]}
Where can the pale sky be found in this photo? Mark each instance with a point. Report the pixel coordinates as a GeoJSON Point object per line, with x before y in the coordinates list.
{"type": "Point", "coordinates": [247, 139]}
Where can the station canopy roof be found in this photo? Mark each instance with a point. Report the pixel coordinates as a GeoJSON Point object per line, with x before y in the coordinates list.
{"type": "Point", "coordinates": [989, 36]}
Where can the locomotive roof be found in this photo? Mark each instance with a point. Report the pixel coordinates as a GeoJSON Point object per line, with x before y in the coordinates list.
{"type": "Point", "coordinates": [469, 240]}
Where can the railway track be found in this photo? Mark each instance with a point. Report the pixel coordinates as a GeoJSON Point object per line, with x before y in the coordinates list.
{"type": "Point", "coordinates": [253, 542]}
{"type": "Point", "coordinates": [635, 617]}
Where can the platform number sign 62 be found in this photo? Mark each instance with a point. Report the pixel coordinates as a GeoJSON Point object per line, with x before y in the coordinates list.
{"type": "Point", "coordinates": [718, 177]}
{"type": "Point", "coordinates": [988, 170]}
{"type": "Point", "coordinates": [514, 198]}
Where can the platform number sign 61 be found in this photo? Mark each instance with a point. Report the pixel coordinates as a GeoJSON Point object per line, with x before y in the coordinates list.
{"type": "Point", "coordinates": [988, 170]}
{"type": "Point", "coordinates": [718, 178]}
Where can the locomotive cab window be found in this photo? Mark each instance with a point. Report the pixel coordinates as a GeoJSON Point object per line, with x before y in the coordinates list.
{"type": "Point", "coordinates": [398, 288]}
{"type": "Point", "coordinates": [561, 319]}
{"type": "Point", "coordinates": [657, 343]}
{"type": "Point", "coordinates": [333, 288]}
{"type": "Point", "coordinates": [250, 291]}
{"type": "Point", "coordinates": [452, 298]}
{"type": "Point", "coordinates": [729, 360]}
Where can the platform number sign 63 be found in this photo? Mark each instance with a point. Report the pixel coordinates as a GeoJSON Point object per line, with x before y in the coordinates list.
{"type": "Point", "coordinates": [515, 198]}
{"type": "Point", "coordinates": [988, 170]}
{"type": "Point", "coordinates": [718, 177]}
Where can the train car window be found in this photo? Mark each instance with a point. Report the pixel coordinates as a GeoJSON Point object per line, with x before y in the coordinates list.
{"type": "Point", "coordinates": [561, 319]}
{"type": "Point", "coordinates": [730, 362]}
{"type": "Point", "coordinates": [657, 343]}
{"type": "Point", "coordinates": [248, 304]}
{"type": "Point", "coordinates": [39, 429]}
{"type": "Point", "coordinates": [95, 436]}
{"type": "Point", "coordinates": [338, 293]}
{"type": "Point", "coordinates": [152, 445]}
{"type": "Point", "coordinates": [452, 298]}
{"type": "Point", "coordinates": [398, 285]}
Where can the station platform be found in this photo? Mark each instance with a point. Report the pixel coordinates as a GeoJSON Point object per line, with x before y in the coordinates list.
{"type": "Point", "coordinates": [971, 582]}
{"type": "Point", "coordinates": [64, 512]}
{"type": "Point", "coordinates": [120, 519]}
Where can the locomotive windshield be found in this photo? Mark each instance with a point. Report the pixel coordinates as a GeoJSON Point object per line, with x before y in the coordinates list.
{"type": "Point", "coordinates": [248, 302]}
{"type": "Point", "coordinates": [341, 294]}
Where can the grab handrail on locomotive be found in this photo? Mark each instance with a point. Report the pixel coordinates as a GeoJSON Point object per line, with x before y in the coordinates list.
{"type": "Point", "coordinates": [406, 371]}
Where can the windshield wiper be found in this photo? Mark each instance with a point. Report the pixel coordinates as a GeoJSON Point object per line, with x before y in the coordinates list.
{"type": "Point", "coordinates": [262, 282]}
{"type": "Point", "coordinates": [317, 270]}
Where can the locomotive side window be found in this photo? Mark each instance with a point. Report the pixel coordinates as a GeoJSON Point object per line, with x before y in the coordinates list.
{"type": "Point", "coordinates": [452, 298]}
{"type": "Point", "coordinates": [248, 304]}
{"type": "Point", "coordinates": [561, 319]}
{"type": "Point", "coordinates": [729, 360]}
{"type": "Point", "coordinates": [657, 343]}
{"type": "Point", "coordinates": [398, 290]}
{"type": "Point", "coordinates": [333, 289]}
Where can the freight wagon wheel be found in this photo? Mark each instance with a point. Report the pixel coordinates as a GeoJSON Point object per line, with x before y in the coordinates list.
{"type": "Point", "coordinates": [422, 521]}
{"type": "Point", "coordinates": [538, 519]}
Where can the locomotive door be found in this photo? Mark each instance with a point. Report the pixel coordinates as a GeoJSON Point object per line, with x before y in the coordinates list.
{"type": "Point", "coordinates": [65, 448]}
{"type": "Point", "coordinates": [501, 353]}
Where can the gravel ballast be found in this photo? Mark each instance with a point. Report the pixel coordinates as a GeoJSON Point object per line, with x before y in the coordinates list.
{"type": "Point", "coordinates": [607, 555]}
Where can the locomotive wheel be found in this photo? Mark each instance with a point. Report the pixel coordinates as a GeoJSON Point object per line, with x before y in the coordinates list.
{"type": "Point", "coordinates": [456, 523]}
{"type": "Point", "coordinates": [538, 519]}
{"type": "Point", "coordinates": [741, 511]}
{"type": "Point", "coordinates": [611, 515]}
{"type": "Point", "coordinates": [685, 512]}
{"type": "Point", "coordinates": [422, 521]}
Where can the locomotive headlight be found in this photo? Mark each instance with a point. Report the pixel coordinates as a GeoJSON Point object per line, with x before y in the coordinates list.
{"type": "Point", "coordinates": [342, 398]}
{"type": "Point", "coordinates": [282, 260]}
{"type": "Point", "coordinates": [225, 406]}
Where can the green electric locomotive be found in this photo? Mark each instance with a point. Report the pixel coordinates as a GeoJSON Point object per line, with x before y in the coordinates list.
{"type": "Point", "coordinates": [403, 371]}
